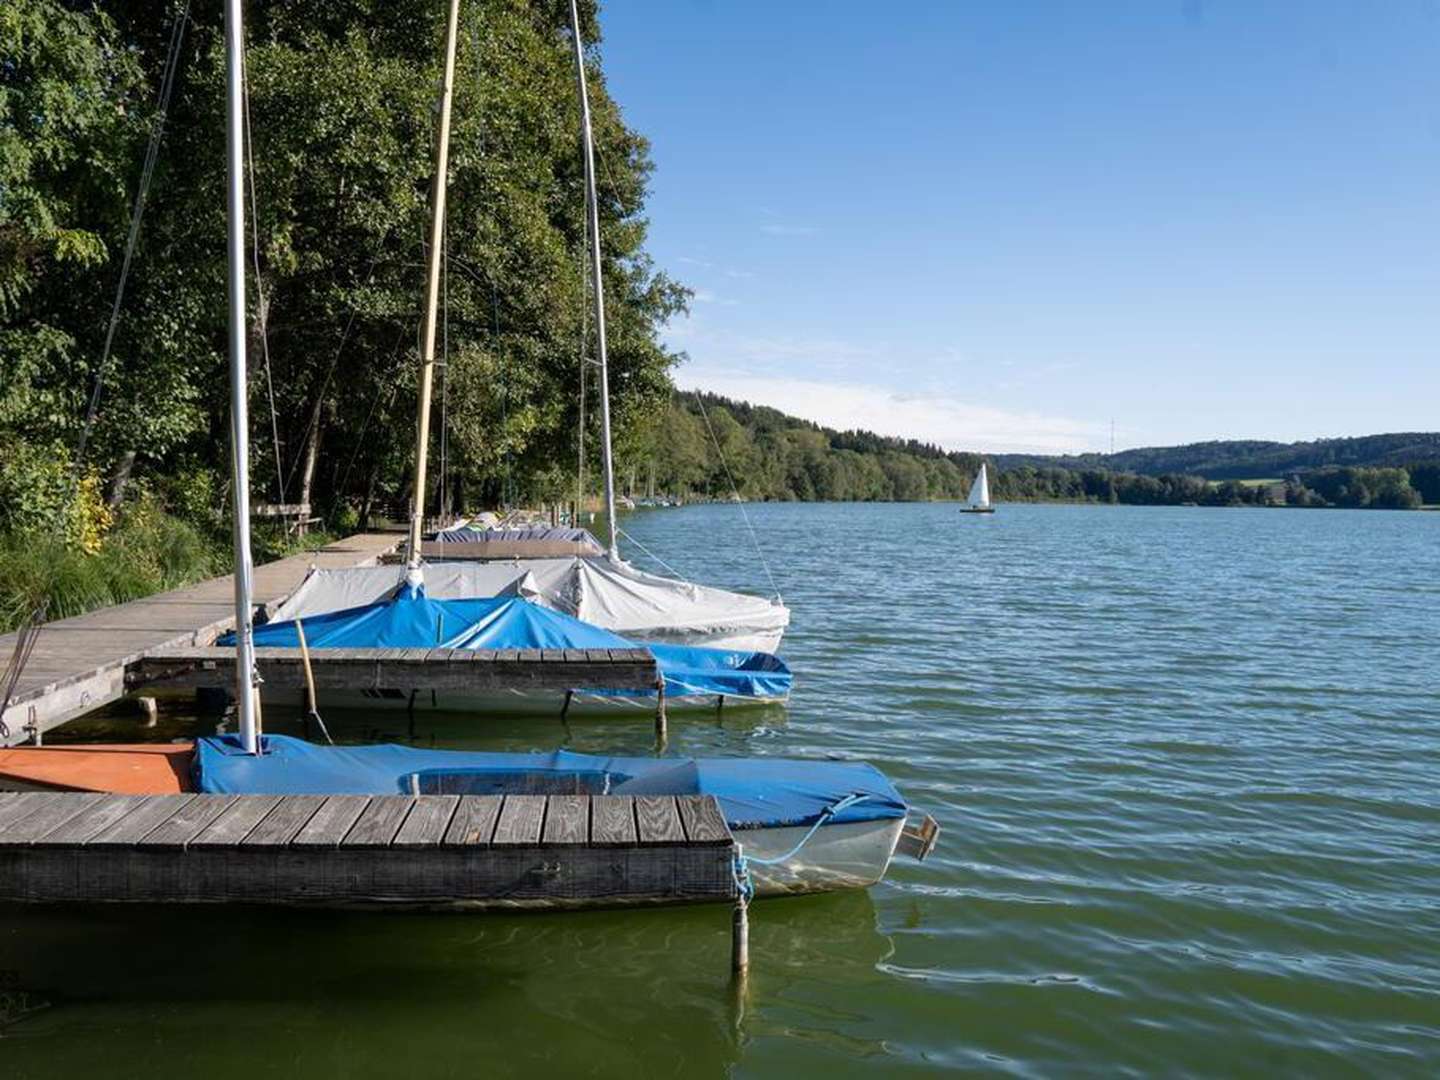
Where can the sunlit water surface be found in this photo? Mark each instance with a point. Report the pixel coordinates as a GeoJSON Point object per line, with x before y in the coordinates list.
{"type": "Point", "coordinates": [1187, 765]}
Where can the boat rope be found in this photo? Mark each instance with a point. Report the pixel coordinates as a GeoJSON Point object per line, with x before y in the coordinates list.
{"type": "Point", "coordinates": [25, 640]}
{"type": "Point", "coordinates": [262, 305]}
{"type": "Point", "coordinates": [735, 492]}
{"type": "Point", "coordinates": [646, 551]}
{"type": "Point", "coordinates": [132, 241]}
{"type": "Point", "coordinates": [740, 869]}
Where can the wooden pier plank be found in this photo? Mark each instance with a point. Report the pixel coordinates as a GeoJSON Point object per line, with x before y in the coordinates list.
{"type": "Point", "coordinates": [474, 821]}
{"type": "Point", "coordinates": [17, 806]}
{"type": "Point", "coordinates": [612, 821]}
{"type": "Point", "coordinates": [188, 821]}
{"type": "Point", "coordinates": [50, 812]}
{"type": "Point", "coordinates": [658, 820]}
{"type": "Point", "coordinates": [567, 819]}
{"type": "Point", "coordinates": [379, 822]}
{"type": "Point", "coordinates": [103, 814]}
{"type": "Point", "coordinates": [285, 821]}
{"type": "Point", "coordinates": [521, 819]}
{"type": "Point", "coordinates": [703, 821]}
{"type": "Point", "coordinates": [332, 821]}
{"type": "Point", "coordinates": [427, 821]}
{"type": "Point", "coordinates": [144, 819]}
{"type": "Point", "coordinates": [234, 823]}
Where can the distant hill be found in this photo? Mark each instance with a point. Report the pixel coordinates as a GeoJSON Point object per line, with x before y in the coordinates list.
{"type": "Point", "coordinates": [1247, 459]}
{"type": "Point", "coordinates": [705, 445]}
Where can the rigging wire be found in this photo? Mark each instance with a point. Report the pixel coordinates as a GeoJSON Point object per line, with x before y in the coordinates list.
{"type": "Point", "coordinates": [137, 212]}
{"type": "Point", "coordinates": [735, 491]}
{"type": "Point", "coordinates": [262, 305]}
{"type": "Point", "coordinates": [29, 631]}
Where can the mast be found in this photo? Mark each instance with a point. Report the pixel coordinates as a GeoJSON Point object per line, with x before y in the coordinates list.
{"type": "Point", "coordinates": [596, 283]}
{"type": "Point", "coordinates": [245, 675]}
{"type": "Point", "coordinates": [413, 574]}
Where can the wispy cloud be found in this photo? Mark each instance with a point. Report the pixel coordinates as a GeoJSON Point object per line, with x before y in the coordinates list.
{"type": "Point", "coordinates": [948, 421]}
{"type": "Point", "coordinates": [705, 296]}
{"type": "Point", "coordinates": [777, 229]}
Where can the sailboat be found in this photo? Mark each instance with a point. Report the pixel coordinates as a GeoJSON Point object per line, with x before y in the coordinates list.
{"type": "Point", "coordinates": [978, 501]}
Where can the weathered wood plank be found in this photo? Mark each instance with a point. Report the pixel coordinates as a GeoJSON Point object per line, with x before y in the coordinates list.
{"type": "Point", "coordinates": [13, 807]}
{"type": "Point", "coordinates": [285, 821]}
{"type": "Point", "coordinates": [144, 819]}
{"type": "Point", "coordinates": [612, 821]}
{"type": "Point", "coordinates": [50, 812]}
{"type": "Point", "coordinates": [188, 821]}
{"type": "Point", "coordinates": [658, 820]}
{"type": "Point", "coordinates": [96, 819]}
{"type": "Point", "coordinates": [474, 820]}
{"type": "Point", "coordinates": [427, 821]}
{"type": "Point", "coordinates": [234, 823]}
{"type": "Point", "coordinates": [567, 819]}
{"type": "Point", "coordinates": [703, 821]}
{"type": "Point", "coordinates": [379, 822]}
{"type": "Point", "coordinates": [332, 821]}
{"type": "Point", "coordinates": [521, 819]}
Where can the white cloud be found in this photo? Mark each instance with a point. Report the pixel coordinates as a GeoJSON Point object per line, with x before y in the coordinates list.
{"type": "Point", "coordinates": [789, 230]}
{"type": "Point", "coordinates": [947, 421]}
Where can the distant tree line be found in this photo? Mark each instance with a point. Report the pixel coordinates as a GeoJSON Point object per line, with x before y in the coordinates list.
{"type": "Point", "coordinates": [707, 446]}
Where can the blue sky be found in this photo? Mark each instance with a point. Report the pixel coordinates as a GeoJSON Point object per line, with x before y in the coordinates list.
{"type": "Point", "coordinates": [1000, 225]}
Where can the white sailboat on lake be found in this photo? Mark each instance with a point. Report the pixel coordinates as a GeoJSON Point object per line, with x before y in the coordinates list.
{"type": "Point", "coordinates": [978, 501]}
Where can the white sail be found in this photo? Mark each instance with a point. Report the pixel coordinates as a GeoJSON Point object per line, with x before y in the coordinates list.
{"type": "Point", "coordinates": [980, 490]}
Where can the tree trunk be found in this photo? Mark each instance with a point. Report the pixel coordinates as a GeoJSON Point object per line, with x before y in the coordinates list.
{"type": "Point", "coordinates": [120, 478]}
{"type": "Point", "coordinates": [307, 472]}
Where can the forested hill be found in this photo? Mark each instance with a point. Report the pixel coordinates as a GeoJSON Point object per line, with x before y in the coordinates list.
{"type": "Point", "coordinates": [703, 444]}
{"type": "Point", "coordinates": [1246, 459]}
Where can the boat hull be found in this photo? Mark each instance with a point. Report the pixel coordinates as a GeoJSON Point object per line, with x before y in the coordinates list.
{"type": "Point", "coordinates": [977, 510]}
{"type": "Point", "coordinates": [513, 702]}
{"type": "Point", "coordinates": [845, 855]}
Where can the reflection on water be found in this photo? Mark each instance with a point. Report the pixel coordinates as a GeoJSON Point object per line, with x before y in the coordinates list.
{"type": "Point", "coordinates": [1186, 761]}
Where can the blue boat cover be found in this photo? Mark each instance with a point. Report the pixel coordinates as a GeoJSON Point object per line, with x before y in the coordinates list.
{"type": "Point", "coordinates": [468, 534]}
{"type": "Point", "coordinates": [752, 792]}
{"type": "Point", "coordinates": [412, 620]}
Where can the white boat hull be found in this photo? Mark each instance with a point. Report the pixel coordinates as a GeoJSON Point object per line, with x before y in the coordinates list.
{"type": "Point", "coordinates": [849, 855]}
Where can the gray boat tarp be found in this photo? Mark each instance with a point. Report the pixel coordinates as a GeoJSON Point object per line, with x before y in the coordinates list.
{"type": "Point", "coordinates": [614, 595]}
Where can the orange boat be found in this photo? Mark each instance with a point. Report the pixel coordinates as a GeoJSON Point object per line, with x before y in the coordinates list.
{"type": "Point", "coordinates": [121, 768]}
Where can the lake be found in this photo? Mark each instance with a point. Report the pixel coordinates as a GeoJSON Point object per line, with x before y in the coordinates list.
{"type": "Point", "coordinates": [1187, 763]}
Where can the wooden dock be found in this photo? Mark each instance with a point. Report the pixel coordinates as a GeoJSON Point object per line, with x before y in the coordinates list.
{"type": "Point", "coordinates": [475, 670]}
{"type": "Point", "coordinates": [80, 664]}
{"type": "Point", "coordinates": [427, 851]}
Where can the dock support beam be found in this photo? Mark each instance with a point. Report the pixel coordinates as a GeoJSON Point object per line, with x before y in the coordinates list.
{"type": "Point", "coordinates": [662, 733]}
{"type": "Point", "coordinates": [740, 937]}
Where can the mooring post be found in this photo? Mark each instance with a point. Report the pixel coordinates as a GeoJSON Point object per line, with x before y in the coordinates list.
{"type": "Point", "coordinates": [740, 936]}
{"type": "Point", "coordinates": [661, 734]}
{"type": "Point", "coordinates": [150, 709]}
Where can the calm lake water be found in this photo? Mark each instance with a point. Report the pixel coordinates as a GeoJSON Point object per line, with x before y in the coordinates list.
{"type": "Point", "coordinates": [1188, 766]}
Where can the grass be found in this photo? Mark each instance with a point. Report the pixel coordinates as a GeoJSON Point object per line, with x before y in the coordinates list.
{"type": "Point", "coordinates": [146, 552]}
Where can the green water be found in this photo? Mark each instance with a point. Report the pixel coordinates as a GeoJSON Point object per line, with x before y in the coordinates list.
{"type": "Point", "coordinates": [1188, 766]}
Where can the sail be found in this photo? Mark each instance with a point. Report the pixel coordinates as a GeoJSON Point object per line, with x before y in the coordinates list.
{"type": "Point", "coordinates": [980, 489]}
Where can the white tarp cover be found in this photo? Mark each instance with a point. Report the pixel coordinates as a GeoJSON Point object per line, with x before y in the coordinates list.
{"type": "Point", "coordinates": [613, 595]}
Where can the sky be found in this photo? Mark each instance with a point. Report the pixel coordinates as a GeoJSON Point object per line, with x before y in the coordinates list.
{"type": "Point", "coordinates": [1008, 225]}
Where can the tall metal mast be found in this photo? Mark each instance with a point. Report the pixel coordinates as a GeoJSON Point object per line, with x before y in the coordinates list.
{"type": "Point", "coordinates": [413, 574]}
{"type": "Point", "coordinates": [596, 282]}
{"type": "Point", "coordinates": [245, 674]}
